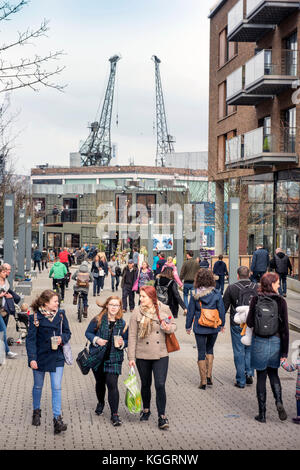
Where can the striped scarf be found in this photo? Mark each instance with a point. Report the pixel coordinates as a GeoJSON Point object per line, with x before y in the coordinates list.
{"type": "Point", "coordinates": [145, 326]}
{"type": "Point", "coordinates": [49, 315]}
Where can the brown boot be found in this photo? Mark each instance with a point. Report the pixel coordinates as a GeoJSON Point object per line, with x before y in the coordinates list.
{"type": "Point", "coordinates": [209, 366]}
{"type": "Point", "coordinates": [85, 312]}
{"type": "Point", "coordinates": [202, 372]}
{"type": "Point", "coordinates": [75, 296]}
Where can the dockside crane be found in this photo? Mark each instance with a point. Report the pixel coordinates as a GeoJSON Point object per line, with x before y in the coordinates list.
{"type": "Point", "coordinates": [165, 142]}
{"type": "Point", "coordinates": [97, 149]}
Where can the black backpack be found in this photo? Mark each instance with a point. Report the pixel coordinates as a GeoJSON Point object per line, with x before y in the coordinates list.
{"type": "Point", "coordinates": [246, 293]}
{"type": "Point", "coordinates": [162, 292]}
{"type": "Point", "coordinates": [266, 317]}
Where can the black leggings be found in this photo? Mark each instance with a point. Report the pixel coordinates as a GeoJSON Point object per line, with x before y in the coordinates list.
{"type": "Point", "coordinates": [262, 378]}
{"type": "Point", "coordinates": [160, 369]}
{"type": "Point", "coordinates": [111, 380]}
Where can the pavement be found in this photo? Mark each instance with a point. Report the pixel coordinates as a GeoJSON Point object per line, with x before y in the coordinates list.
{"type": "Point", "coordinates": [219, 418]}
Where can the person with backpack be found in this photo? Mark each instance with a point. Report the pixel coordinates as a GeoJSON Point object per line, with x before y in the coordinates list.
{"type": "Point", "coordinates": [167, 291]}
{"type": "Point", "coordinates": [160, 263]}
{"type": "Point", "coordinates": [59, 272]}
{"type": "Point", "coordinates": [282, 265]}
{"type": "Point", "coordinates": [206, 311]}
{"type": "Point", "coordinates": [236, 295]}
{"type": "Point", "coordinates": [64, 258]}
{"type": "Point", "coordinates": [82, 278]}
{"type": "Point", "coordinates": [268, 316]}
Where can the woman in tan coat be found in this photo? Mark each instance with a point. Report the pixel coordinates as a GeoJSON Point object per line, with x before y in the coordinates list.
{"type": "Point", "coordinates": [149, 323]}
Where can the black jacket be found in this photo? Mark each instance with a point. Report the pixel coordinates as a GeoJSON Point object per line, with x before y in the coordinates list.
{"type": "Point", "coordinates": [173, 294]}
{"type": "Point", "coordinates": [220, 269]}
{"type": "Point", "coordinates": [129, 277]}
{"type": "Point", "coordinates": [102, 265]}
{"type": "Point", "coordinates": [281, 263]}
{"type": "Point", "coordinates": [231, 297]}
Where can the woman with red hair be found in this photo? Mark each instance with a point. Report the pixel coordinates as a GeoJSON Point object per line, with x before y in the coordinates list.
{"type": "Point", "coordinates": [149, 324]}
{"type": "Point", "coordinates": [268, 316]}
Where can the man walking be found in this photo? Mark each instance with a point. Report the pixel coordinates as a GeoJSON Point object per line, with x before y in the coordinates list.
{"type": "Point", "coordinates": [237, 294]}
{"type": "Point", "coordinates": [129, 276]}
{"type": "Point", "coordinates": [282, 265]}
{"type": "Point", "coordinates": [260, 263]}
{"type": "Point", "coordinates": [112, 267]}
{"type": "Point", "coordinates": [220, 270]}
{"type": "Point", "coordinates": [135, 257]}
{"type": "Point", "coordinates": [37, 256]}
{"type": "Point", "coordinates": [64, 259]}
{"type": "Point", "coordinates": [187, 275]}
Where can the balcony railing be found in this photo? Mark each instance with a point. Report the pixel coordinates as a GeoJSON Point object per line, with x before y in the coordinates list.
{"type": "Point", "coordinates": [269, 12]}
{"type": "Point", "coordinates": [259, 148]}
{"type": "Point", "coordinates": [235, 16]}
{"type": "Point", "coordinates": [261, 77]}
{"type": "Point", "coordinates": [239, 27]}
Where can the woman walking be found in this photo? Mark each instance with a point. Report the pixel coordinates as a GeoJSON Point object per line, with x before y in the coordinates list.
{"type": "Point", "coordinates": [166, 280]}
{"type": "Point", "coordinates": [145, 275]}
{"type": "Point", "coordinates": [267, 351]}
{"type": "Point", "coordinates": [48, 331]}
{"type": "Point", "coordinates": [205, 299]}
{"type": "Point", "coordinates": [149, 324]}
{"type": "Point", "coordinates": [170, 264]}
{"type": "Point", "coordinates": [109, 329]}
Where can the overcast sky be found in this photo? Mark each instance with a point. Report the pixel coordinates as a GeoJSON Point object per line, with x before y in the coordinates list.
{"type": "Point", "coordinates": [52, 124]}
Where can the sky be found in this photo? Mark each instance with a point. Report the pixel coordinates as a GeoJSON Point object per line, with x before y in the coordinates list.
{"type": "Point", "coordinates": [51, 124]}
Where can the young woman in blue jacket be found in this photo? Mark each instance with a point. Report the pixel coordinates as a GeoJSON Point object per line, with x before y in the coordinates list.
{"type": "Point", "coordinates": [47, 321]}
{"type": "Point", "coordinates": [205, 296]}
{"type": "Point", "coordinates": [102, 331]}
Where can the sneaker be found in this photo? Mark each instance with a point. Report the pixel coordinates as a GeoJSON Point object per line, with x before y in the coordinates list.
{"type": "Point", "coordinates": [249, 380]}
{"type": "Point", "coordinates": [144, 416]}
{"type": "Point", "coordinates": [11, 355]}
{"type": "Point", "coordinates": [115, 419]}
{"type": "Point", "coordinates": [163, 423]}
{"type": "Point", "coordinates": [99, 409]}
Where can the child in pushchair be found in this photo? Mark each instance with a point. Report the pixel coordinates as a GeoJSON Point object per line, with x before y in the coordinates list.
{"type": "Point", "coordinates": [22, 323]}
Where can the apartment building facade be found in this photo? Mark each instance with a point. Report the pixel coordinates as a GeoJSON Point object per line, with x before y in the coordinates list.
{"type": "Point", "coordinates": [254, 120]}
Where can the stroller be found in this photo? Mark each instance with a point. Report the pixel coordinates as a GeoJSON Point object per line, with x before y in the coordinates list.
{"type": "Point", "coordinates": [22, 325]}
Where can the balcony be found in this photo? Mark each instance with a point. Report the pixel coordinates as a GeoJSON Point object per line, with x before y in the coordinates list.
{"type": "Point", "coordinates": [269, 12]}
{"type": "Point", "coordinates": [255, 148]}
{"type": "Point", "coordinates": [260, 78]}
{"type": "Point", "coordinates": [241, 30]}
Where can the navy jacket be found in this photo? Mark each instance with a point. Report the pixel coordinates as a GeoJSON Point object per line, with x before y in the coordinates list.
{"type": "Point", "coordinates": [260, 261]}
{"type": "Point", "coordinates": [38, 341]}
{"type": "Point", "coordinates": [9, 306]}
{"type": "Point", "coordinates": [211, 298]}
{"type": "Point", "coordinates": [220, 269]}
{"type": "Point", "coordinates": [113, 363]}
{"type": "Point", "coordinates": [37, 255]}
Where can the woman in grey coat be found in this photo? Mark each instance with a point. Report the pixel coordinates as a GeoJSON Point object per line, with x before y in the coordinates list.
{"type": "Point", "coordinates": [82, 277]}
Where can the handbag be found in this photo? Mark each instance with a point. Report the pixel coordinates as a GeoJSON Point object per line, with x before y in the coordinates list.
{"type": "Point", "coordinates": [3, 312]}
{"type": "Point", "coordinates": [95, 275]}
{"type": "Point", "coordinates": [82, 360]}
{"type": "Point", "coordinates": [101, 272]}
{"type": "Point", "coordinates": [136, 285]}
{"type": "Point", "coordinates": [172, 344]}
{"type": "Point", "coordinates": [66, 347]}
{"type": "Point", "coordinates": [209, 317]}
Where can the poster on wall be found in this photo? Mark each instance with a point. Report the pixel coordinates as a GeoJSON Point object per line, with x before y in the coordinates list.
{"type": "Point", "coordinates": [163, 242]}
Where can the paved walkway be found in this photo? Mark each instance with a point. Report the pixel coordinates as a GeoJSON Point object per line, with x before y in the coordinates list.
{"type": "Point", "coordinates": [219, 418]}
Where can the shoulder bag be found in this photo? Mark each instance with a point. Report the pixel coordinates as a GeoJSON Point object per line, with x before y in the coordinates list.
{"type": "Point", "coordinates": [66, 347]}
{"type": "Point", "coordinates": [172, 344]}
{"type": "Point", "coordinates": [209, 317]}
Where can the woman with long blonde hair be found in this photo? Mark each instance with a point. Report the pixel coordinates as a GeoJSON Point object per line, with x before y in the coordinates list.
{"type": "Point", "coordinates": [109, 330]}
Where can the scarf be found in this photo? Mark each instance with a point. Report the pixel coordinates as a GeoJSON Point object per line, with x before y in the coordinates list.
{"type": "Point", "coordinates": [145, 326]}
{"type": "Point", "coordinates": [49, 315]}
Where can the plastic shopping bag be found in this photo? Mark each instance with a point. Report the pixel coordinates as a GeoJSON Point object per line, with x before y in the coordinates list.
{"type": "Point", "coordinates": [133, 399]}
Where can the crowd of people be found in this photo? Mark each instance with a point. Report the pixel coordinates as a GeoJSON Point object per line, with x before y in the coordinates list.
{"type": "Point", "coordinates": [152, 294]}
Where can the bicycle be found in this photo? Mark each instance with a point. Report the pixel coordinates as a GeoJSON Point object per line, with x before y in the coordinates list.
{"type": "Point", "coordinates": [80, 307]}
{"type": "Point", "coordinates": [58, 292]}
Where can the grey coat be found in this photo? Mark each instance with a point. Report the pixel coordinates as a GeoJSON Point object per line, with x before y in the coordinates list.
{"type": "Point", "coordinates": [84, 268]}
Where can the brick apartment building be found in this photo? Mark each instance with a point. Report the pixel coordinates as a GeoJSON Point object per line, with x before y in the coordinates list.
{"type": "Point", "coordinates": [254, 120]}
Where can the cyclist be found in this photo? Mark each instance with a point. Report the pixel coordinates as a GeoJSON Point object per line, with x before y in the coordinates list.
{"type": "Point", "coordinates": [59, 271]}
{"type": "Point", "coordinates": [82, 277]}
{"type": "Point", "coordinates": [64, 257]}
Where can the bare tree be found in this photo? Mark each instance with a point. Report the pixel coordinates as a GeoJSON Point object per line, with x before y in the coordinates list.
{"type": "Point", "coordinates": [29, 72]}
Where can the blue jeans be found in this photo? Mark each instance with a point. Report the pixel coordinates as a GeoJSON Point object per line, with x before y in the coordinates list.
{"type": "Point", "coordinates": [187, 287]}
{"type": "Point", "coordinates": [56, 378]}
{"type": "Point", "coordinates": [205, 345]}
{"type": "Point", "coordinates": [3, 328]}
{"type": "Point", "coordinates": [282, 288]}
{"type": "Point", "coordinates": [220, 283]}
{"type": "Point", "coordinates": [242, 356]}
{"type": "Point", "coordinates": [115, 280]}
{"type": "Point", "coordinates": [97, 285]}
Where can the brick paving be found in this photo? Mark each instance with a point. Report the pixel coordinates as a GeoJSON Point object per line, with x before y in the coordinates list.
{"type": "Point", "coordinates": [221, 417]}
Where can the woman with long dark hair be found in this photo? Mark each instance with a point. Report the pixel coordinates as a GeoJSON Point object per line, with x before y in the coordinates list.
{"type": "Point", "coordinates": [205, 298]}
{"type": "Point", "coordinates": [166, 279]}
{"type": "Point", "coordinates": [268, 316]}
{"type": "Point", "coordinates": [109, 329]}
{"type": "Point", "coordinates": [48, 331]}
{"type": "Point", "coordinates": [149, 324]}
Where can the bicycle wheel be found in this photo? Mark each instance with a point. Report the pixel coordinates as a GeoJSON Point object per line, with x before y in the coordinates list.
{"type": "Point", "coordinates": [80, 308]}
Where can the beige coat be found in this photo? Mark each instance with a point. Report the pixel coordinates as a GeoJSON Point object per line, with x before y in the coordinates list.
{"type": "Point", "coordinates": [153, 346]}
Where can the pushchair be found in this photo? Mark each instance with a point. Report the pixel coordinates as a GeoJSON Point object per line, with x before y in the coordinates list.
{"type": "Point", "coordinates": [22, 325]}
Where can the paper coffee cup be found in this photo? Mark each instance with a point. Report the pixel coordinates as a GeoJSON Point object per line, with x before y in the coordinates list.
{"type": "Point", "coordinates": [54, 342]}
{"type": "Point", "coordinates": [117, 341]}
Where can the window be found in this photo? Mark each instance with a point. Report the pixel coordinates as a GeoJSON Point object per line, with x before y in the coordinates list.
{"type": "Point", "coordinates": [147, 201]}
{"type": "Point", "coordinates": [221, 152]}
{"type": "Point", "coordinates": [227, 50]}
{"type": "Point", "coordinates": [72, 240]}
{"type": "Point", "coordinates": [222, 100]}
{"type": "Point", "coordinates": [291, 46]}
{"type": "Point", "coordinates": [123, 204]}
{"type": "Point", "coordinates": [290, 130]}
